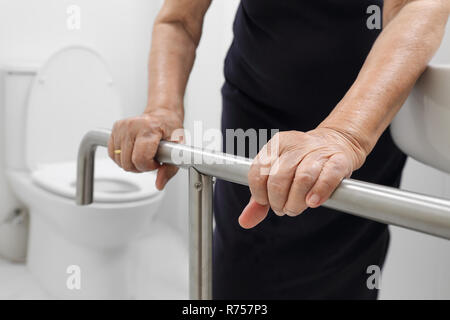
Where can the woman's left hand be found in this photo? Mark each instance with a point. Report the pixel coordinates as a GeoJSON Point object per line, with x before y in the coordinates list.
{"type": "Point", "coordinates": [296, 170]}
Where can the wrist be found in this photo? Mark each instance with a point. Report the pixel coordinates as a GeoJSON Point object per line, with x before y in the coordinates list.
{"type": "Point", "coordinates": [172, 107]}
{"type": "Point", "coordinates": [356, 139]}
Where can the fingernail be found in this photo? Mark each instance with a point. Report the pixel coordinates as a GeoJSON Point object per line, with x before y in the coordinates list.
{"type": "Point", "coordinates": [314, 200]}
{"type": "Point", "coordinates": [290, 213]}
{"type": "Point", "coordinates": [279, 213]}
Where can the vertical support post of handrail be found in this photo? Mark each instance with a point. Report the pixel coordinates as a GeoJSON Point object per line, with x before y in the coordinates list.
{"type": "Point", "coordinates": [85, 164]}
{"type": "Point", "coordinates": [200, 235]}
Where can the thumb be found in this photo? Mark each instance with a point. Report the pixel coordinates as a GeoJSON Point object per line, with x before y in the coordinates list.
{"type": "Point", "coordinates": [253, 214]}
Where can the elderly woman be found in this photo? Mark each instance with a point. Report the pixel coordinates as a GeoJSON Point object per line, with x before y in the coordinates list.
{"type": "Point", "coordinates": [331, 81]}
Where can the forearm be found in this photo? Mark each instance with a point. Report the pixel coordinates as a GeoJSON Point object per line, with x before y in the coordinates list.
{"type": "Point", "coordinates": [176, 34]}
{"type": "Point", "coordinates": [395, 62]}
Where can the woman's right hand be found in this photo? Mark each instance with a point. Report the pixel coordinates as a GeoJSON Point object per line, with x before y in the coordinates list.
{"type": "Point", "coordinates": [138, 138]}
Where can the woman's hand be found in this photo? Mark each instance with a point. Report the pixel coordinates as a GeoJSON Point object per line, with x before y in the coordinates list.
{"type": "Point", "coordinates": [138, 139]}
{"type": "Point", "coordinates": [296, 170]}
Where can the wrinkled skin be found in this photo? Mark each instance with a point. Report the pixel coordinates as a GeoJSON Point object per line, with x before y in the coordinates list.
{"type": "Point", "coordinates": [302, 172]}
{"type": "Point", "coordinates": [138, 139]}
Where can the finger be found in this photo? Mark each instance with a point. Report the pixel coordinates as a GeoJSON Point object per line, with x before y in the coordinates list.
{"type": "Point", "coordinates": [333, 171]}
{"type": "Point", "coordinates": [111, 146]}
{"type": "Point", "coordinates": [306, 175]}
{"type": "Point", "coordinates": [117, 146]}
{"type": "Point", "coordinates": [280, 179]}
{"type": "Point", "coordinates": [126, 153]}
{"type": "Point", "coordinates": [165, 173]}
{"type": "Point", "coordinates": [259, 173]}
{"type": "Point", "coordinates": [253, 214]}
{"type": "Point", "coordinates": [144, 151]}
{"type": "Point", "coordinates": [177, 135]}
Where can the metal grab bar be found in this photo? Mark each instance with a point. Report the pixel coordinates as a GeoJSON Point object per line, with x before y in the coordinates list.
{"type": "Point", "coordinates": [379, 203]}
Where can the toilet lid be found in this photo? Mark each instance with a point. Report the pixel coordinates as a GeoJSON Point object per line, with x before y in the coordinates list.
{"type": "Point", "coordinates": [73, 93]}
{"type": "Point", "coordinates": [111, 183]}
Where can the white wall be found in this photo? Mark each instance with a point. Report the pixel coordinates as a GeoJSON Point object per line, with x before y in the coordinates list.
{"type": "Point", "coordinates": [120, 30]}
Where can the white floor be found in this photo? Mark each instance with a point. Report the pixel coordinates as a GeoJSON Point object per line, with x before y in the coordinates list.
{"type": "Point", "coordinates": [417, 268]}
{"type": "Point", "coordinates": [17, 283]}
{"type": "Point", "coordinates": [162, 269]}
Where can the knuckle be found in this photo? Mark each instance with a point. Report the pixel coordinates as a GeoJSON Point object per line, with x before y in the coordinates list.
{"type": "Point", "coordinates": [129, 123]}
{"type": "Point", "coordinates": [153, 123]}
{"type": "Point", "coordinates": [275, 187]}
{"type": "Point", "coordinates": [303, 178]}
{"type": "Point", "coordinates": [337, 164]}
{"type": "Point", "coordinates": [143, 122]}
{"type": "Point", "coordinates": [260, 199]}
{"type": "Point", "coordinates": [127, 167]}
{"type": "Point", "coordinates": [327, 185]}
{"type": "Point", "coordinates": [138, 160]}
{"type": "Point", "coordinates": [121, 123]}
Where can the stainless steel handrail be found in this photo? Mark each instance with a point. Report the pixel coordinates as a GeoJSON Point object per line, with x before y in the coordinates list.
{"type": "Point", "coordinates": [410, 210]}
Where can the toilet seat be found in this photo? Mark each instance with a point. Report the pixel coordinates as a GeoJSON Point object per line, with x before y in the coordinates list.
{"type": "Point", "coordinates": [111, 183]}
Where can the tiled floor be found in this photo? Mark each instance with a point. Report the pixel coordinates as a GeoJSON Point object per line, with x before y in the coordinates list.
{"type": "Point", "coordinates": [162, 269]}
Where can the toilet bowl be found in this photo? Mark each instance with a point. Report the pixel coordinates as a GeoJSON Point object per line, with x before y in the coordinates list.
{"type": "Point", "coordinates": [73, 251]}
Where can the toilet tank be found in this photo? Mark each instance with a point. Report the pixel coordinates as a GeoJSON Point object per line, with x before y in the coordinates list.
{"type": "Point", "coordinates": [16, 82]}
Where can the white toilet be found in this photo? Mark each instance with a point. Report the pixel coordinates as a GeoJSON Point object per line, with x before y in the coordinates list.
{"type": "Point", "coordinates": [73, 251]}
